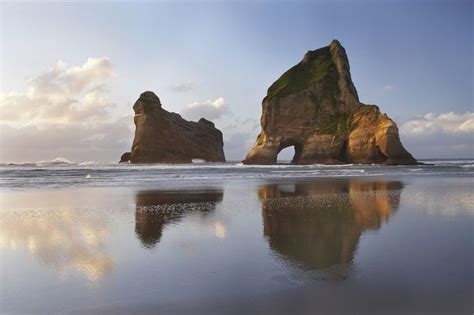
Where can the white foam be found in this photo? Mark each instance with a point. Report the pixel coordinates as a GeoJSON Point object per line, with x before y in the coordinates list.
{"type": "Point", "coordinates": [56, 161]}
{"type": "Point", "coordinates": [87, 163]}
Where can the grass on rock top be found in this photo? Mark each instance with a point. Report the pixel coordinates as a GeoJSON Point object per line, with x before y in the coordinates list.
{"type": "Point", "coordinates": [312, 71]}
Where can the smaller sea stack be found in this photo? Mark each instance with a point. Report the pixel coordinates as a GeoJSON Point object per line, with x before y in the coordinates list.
{"type": "Point", "coordinates": [165, 137]}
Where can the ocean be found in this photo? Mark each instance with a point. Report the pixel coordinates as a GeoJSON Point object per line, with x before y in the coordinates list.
{"type": "Point", "coordinates": [227, 238]}
{"type": "Point", "coordinates": [59, 173]}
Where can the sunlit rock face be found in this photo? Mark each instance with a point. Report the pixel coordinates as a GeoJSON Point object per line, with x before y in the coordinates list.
{"type": "Point", "coordinates": [315, 107]}
{"type": "Point", "coordinates": [164, 137]}
{"type": "Point", "coordinates": [155, 209]}
{"type": "Point", "coordinates": [66, 240]}
{"type": "Point", "coordinates": [318, 225]}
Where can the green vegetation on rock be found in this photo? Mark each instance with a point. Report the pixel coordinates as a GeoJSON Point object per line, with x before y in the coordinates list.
{"type": "Point", "coordinates": [317, 67]}
{"type": "Point", "coordinates": [333, 124]}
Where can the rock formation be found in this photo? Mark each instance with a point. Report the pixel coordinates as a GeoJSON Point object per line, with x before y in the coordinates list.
{"type": "Point", "coordinates": [125, 158]}
{"type": "Point", "coordinates": [314, 107]}
{"type": "Point", "coordinates": [164, 137]}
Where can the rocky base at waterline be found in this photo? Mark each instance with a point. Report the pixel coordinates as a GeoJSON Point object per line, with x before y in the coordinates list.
{"type": "Point", "coordinates": [315, 107]}
{"type": "Point", "coordinates": [125, 158]}
{"type": "Point", "coordinates": [165, 137]}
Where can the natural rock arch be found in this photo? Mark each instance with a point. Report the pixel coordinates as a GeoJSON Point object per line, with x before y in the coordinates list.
{"type": "Point", "coordinates": [296, 153]}
{"type": "Point", "coordinates": [315, 107]}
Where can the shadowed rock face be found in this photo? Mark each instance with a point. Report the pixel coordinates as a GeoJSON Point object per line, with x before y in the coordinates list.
{"type": "Point", "coordinates": [155, 209]}
{"type": "Point", "coordinates": [318, 225]}
{"type": "Point", "coordinates": [164, 137]}
{"type": "Point", "coordinates": [125, 158]}
{"type": "Point", "coordinates": [314, 107]}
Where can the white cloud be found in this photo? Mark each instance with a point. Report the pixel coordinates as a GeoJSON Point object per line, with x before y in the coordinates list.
{"type": "Point", "coordinates": [183, 86]}
{"type": "Point", "coordinates": [64, 111]}
{"type": "Point", "coordinates": [447, 135]}
{"type": "Point", "coordinates": [210, 110]}
{"type": "Point", "coordinates": [60, 94]}
{"type": "Point", "coordinates": [450, 123]}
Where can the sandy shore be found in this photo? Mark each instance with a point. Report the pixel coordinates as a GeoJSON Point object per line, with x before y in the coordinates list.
{"type": "Point", "coordinates": [348, 245]}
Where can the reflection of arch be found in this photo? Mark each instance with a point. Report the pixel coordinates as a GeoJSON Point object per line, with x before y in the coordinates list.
{"type": "Point", "coordinates": [318, 225]}
{"type": "Point", "coordinates": [156, 208]}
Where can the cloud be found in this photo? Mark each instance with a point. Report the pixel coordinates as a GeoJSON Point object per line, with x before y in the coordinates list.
{"type": "Point", "coordinates": [450, 123]}
{"type": "Point", "coordinates": [389, 87]}
{"type": "Point", "coordinates": [447, 135]}
{"type": "Point", "coordinates": [210, 110]}
{"type": "Point", "coordinates": [60, 94]}
{"type": "Point", "coordinates": [64, 111]}
{"type": "Point", "coordinates": [183, 86]}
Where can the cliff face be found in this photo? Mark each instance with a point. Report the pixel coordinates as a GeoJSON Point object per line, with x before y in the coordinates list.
{"type": "Point", "coordinates": [314, 107]}
{"type": "Point", "coordinates": [164, 137]}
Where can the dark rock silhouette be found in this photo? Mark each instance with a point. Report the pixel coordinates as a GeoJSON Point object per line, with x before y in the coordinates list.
{"type": "Point", "coordinates": [315, 107]}
{"type": "Point", "coordinates": [164, 137]}
{"type": "Point", "coordinates": [125, 158]}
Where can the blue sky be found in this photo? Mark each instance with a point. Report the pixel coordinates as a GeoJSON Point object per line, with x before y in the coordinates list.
{"type": "Point", "coordinates": [411, 58]}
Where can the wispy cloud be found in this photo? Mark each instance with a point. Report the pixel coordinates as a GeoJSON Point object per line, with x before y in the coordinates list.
{"type": "Point", "coordinates": [183, 86]}
{"type": "Point", "coordinates": [389, 87]}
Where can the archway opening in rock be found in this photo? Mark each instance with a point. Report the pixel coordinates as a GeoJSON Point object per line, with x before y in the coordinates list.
{"type": "Point", "coordinates": [289, 154]}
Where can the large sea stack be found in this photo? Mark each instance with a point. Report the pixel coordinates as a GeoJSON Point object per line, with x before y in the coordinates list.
{"type": "Point", "coordinates": [314, 107]}
{"type": "Point", "coordinates": [164, 137]}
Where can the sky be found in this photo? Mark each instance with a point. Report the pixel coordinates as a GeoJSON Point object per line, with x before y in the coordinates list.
{"type": "Point", "coordinates": [71, 71]}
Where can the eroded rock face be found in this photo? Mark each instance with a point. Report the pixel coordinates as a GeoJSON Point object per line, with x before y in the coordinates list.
{"type": "Point", "coordinates": [314, 107]}
{"type": "Point", "coordinates": [164, 137]}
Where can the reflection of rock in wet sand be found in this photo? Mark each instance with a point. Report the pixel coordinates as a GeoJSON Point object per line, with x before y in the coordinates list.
{"type": "Point", "coordinates": [318, 225]}
{"type": "Point", "coordinates": [157, 208]}
{"type": "Point", "coordinates": [63, 239]}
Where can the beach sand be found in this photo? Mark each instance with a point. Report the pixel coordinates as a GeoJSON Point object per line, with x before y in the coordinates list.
{"type": "Point", "coordinates": [303, 246]}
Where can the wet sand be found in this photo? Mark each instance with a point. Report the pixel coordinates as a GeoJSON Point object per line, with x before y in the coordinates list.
{"type": "Point", "coordinates": [330, 246]}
